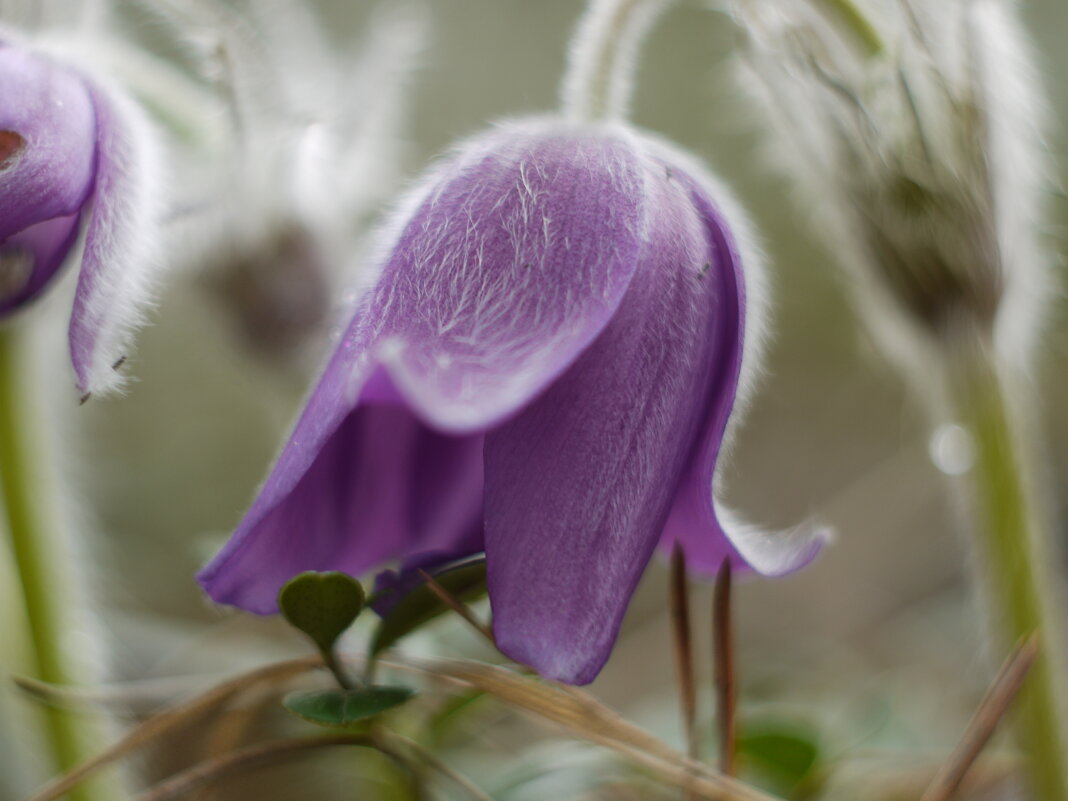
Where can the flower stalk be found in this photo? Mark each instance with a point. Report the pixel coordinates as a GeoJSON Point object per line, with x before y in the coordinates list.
{"type": "Point", "coordinates": [1009, 531]}
{"type": "Point", "coordinates": [597, 83]}
{"type": "Point", "coordinates": [29, 516]}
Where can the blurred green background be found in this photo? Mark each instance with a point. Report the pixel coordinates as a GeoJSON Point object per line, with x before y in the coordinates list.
{"type": "Point", "coordinates": [877, 645]}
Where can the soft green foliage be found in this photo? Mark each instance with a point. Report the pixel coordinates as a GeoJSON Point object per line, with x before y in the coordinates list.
{"type": "Point", "coordinates": [341, 708]}
{"type": "Point", "coordinates": [322, 605]}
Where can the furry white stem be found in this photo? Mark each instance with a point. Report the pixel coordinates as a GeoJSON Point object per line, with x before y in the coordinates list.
{"type": "Point", "coordinates": [599, 77]}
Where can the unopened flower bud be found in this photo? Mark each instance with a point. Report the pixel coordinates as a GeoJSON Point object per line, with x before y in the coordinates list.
{"type": "Point", "coordinates": [915, 143]}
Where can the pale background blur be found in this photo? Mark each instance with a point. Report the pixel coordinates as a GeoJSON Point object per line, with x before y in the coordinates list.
{"type": "Point", "coordinates": [878, 641]}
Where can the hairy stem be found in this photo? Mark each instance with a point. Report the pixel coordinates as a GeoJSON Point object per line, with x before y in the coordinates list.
{"type": "Point", "coordinates": [597, 84]}
{"type": "Point", "coordinates": [41, 561]}
{"type": "Point", "coordinates": [1011, 538]}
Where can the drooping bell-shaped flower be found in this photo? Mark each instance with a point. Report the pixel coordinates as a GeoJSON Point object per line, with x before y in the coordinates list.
{"type": "Point", "coordinates": [75, 156]}
{"type": "Point", "coordinates": [545, 367]}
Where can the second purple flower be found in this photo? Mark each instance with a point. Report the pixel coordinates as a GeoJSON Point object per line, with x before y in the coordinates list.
{"type": "Point", "coordinates": [544, 367]}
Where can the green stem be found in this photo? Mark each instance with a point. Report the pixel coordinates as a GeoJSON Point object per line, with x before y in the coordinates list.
{"type": "Point", "coordinates": [1011, 538]}
{"type": "Point", "coordinates": [852, 19]}
{"type": "Point", "coordinates": [40, 561]}
{"type": "Point", "coordinates": [334, 666]}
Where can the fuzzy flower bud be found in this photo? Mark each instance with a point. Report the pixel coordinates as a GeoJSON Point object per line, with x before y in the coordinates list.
{"type": "Point", "coordinates": [915, 142]}
{"type": "Point", "coordinates": [75, 156]}
{"type": "Point", "coordinates": [563, 320]}
{"type": "Point", "coordinates": [311, 148]}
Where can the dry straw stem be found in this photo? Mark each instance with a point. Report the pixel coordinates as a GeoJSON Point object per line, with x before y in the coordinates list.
{"type": "Point", "coordinates": [146, 695]}
{"type": "Point", "coordinates": [232, 726]}
{"type": "Point", "coordinates": [576, 711]}
{"type": "Point", "coordinates": [585, 717]}
{"type": "Point", "coordinates": [171, 719]}
{"type": "Point", "coordinates": [991, 711]}
{"type": "Point", "coordinates": [246, 758]}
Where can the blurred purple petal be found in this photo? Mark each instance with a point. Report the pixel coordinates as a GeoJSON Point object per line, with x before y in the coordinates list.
{"type": "Point", "coordinates": [115, 281]}
{"type": "Point", "coordinates": [48, 107]}
{"type": "Point", "coordinates": [46, 170]}
{"type": "Point", "coordinates": [32, 256]}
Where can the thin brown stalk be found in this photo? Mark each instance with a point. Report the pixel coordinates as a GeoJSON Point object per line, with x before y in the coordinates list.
{"type": "Point", "coordinates": [679, 591]}
{"type": "Point", "coordinates": [170, 719]}
{"type": "Point", "coordinates": [991, 711]}
{"type": "Point", "coordinates": [458, 606]}
{"type": "Point", "coordinates": [236, 761]}
{"type": "Point", "coordinates": [723, 674]}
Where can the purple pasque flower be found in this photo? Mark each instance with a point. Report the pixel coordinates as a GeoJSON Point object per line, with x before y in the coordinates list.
{"type": "Point", "coordinates": [74, 155]}
{"type": "Point", "coordinates": [544, 367]}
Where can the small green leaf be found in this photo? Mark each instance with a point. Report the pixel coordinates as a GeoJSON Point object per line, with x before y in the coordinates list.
{"type": "Point", "coordinates": [466, 582]}
{"type": "Point", "coordinates": [783, 752]}
{"type": "Point", "coordinates": [322, 605]}
{"type": "Point", "coordinates": [345, 707]}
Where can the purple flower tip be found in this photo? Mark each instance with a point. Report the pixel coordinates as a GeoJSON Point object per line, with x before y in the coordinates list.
{"type": "Point", "coordinates": [47, 170]}
{"type": "Point", "coordinates": [544, 369]}
{"type": "Point", "coordinates": [73, 156]}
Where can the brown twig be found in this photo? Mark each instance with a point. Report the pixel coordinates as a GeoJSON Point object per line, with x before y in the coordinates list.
{"type": "Point", "coordinates": [458, 606]}
{"type": "Point", "coordinates": [169, 719]}
{"type": "Point", "coordinates": [243, 759]}
{"type": "Point", "coordinates": [723, 662]}
{"type": "Point", "coordinates": [679, 591]}
{"type": "Point", "coordinates": [991, 711]}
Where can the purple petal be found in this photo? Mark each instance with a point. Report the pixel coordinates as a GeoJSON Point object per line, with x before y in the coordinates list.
{"type": "Point", "coordinates": [379, 486]}
{"type": "Point", "coordinates": [510, 263]}
{"type": "Point", "coordinates": [48, 107]}
{"type": "Point", "coordinates": [708, 534]}
{"type": "Point", "coordinates": [32, 256]}
{"type": "Point", "coordinates": [579, 485]}
{"type": "Point", "coordinates": [118, 263]}
{"type": "Point", "coordinates": [510, 259]}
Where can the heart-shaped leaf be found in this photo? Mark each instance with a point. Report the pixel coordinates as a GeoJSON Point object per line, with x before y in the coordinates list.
{"type": "Point", "coordinates": [420, 605]}
{"type": "Point", "coordinates": [322, 605]}
{"type": "Point", "coordinates": [345, 707]}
